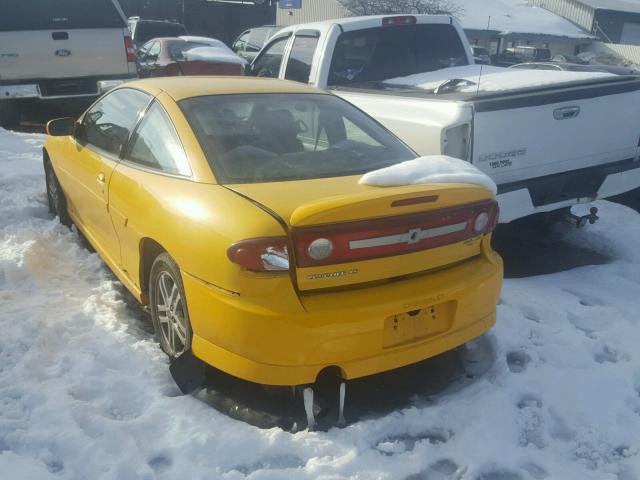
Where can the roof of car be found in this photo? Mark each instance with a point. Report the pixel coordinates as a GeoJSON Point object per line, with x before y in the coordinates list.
{"type": "Point", "coordinates": [180, 88]}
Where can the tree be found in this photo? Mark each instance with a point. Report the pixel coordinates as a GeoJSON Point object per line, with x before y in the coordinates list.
{"type": "Point", "coordinates": [378, 7]}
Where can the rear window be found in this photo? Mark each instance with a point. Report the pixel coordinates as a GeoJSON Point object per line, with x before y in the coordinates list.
{"type": "Point", "coordinates": [145, 31]}
{"type": "Point", "coordinates": [383, 53]}
{"type": "Point", "coordinates": [277, 137]}
{"type": "Point", "coordinates": [60, 15]}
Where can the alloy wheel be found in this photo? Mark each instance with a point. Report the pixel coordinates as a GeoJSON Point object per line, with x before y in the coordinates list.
{"type": "Point", "coordinates": [171, 315]}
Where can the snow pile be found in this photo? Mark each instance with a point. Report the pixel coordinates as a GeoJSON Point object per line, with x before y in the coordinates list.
{"type": "Point", "coordinates": [85, 392]}
{"type": "Point", "coordinates": [493, 79]}
{"type": "Point", "coordinates": [430, 169]}
{"type": "Point", "coordinates": [515, 16]}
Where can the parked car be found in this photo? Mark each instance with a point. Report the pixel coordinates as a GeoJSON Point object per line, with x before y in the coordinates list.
{"type": "Point", "coordinates": [515, 55]}
{"type": "Point", "coordinates": [144, 30]}
{"type": "Point", "coordinates": [251, 41]}
{"type": "Point", "coordinates": [571, 67]}
{"type": "Point", "coordinates": [167, 57]}
{"type": "Point", "coordinates": [319, 272]}
{"type": "Point", "coordinates": [481, 56]}
{"type": "Point", "coordinates": [574, 59]}
{"type": "Point", "coordinates": [61, 50]}
{"type": "Point", "coordinates": [415, 75]}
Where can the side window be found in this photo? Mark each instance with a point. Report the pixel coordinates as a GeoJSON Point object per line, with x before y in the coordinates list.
{"type": "Point", "coordinates": [257, 39]}
{"type": "Point", "coordinates": [108, 124]}
{"type": "Point", "coordinates": [241, 42]}
{"type": "Point", "coordinates": [268, 63]}
{"type": "Point", "coordinates": [300, 59]}
{"type": "Point", "coordinates": [154, 52]}
{"type": "Point", "coordinates": [155, 144]}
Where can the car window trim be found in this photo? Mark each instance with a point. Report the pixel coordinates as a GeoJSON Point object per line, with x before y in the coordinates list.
{"type": "Point", "coordinates": [129, 143]}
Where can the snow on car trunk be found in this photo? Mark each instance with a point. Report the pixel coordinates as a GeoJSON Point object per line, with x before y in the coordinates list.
{"type": "Point", "coordinates": [85, 392]}
{"type": "Point", "coordinates": [429, 169]}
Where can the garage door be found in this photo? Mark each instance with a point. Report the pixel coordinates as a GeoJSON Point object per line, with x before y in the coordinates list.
{"type": "Point", "coordinates": [630, 34]}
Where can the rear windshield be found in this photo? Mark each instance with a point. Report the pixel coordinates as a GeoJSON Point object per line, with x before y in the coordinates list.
{"type": "Point", "coordinates": [275, 137]}
{"type": "Point", "coordinates": [383, 53]}
{"type": "Point", "coordinates": [60, 15]}
{"type": "Point", "coordinates": [147, 31]}
{"type": "Point", "coordinates": [177, 48]}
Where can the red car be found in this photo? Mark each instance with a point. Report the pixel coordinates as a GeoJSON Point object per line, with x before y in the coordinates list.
{"type": "Point", "coordinates": [170, 57]}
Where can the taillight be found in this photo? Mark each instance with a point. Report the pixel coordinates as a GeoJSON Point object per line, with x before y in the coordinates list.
{"type": "Point", "coordinates": [130, 48]}
{"type": "Point", "coordinates": [384, 237]}
{"type": "Point", "coordinates": [269, 254]}
{"type": "Point", "coordinates": [399, 20]}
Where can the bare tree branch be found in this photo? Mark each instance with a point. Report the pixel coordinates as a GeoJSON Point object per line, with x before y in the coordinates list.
{"type": "Point", "coordinates": [377, 7]}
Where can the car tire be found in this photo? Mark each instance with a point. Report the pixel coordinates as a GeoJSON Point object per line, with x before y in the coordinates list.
{"type": "Point", "coordinates": [55, 195]}
{"type": "Point", "coordinates": [9, 114]}
{"type": "Point", "coordinates": [169, 311]}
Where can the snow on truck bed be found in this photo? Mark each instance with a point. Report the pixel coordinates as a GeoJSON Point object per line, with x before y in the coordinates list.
{"type": "Point", "coordinates": [493, 79]}
{"type": "Point", "coordinates": [85, 393]}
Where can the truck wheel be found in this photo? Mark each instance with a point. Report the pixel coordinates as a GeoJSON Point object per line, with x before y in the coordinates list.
{"type": "Point", "coordinates": [9, 114]}
{"type": "Point", "coordinates": [169, 307]}
{"type": "Point", "coordinates": [55, 196]}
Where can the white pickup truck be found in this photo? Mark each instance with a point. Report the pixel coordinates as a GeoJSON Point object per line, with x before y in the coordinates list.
{"type": "Point", "coordinates": [548, 139]}
{"type": "Point", "coordinates": [60, 50]}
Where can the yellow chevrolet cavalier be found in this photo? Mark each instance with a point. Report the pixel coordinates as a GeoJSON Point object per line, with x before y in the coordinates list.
{"type": "Point", "coordinates": [232, 207]}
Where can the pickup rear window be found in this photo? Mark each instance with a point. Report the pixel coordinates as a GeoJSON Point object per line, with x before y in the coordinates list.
{"type": "Point", "coordinates": [383, 53]}
{"type": "Point", "coordinates": [60, 15]}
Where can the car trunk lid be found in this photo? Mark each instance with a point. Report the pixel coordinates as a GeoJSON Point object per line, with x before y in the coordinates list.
{"type": "Point", "coordinates": [376, 234]}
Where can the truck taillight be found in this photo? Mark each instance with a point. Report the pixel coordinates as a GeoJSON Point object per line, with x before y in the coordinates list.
{"type": "Point", "coordinates": [269, 254]}
{"type": "Point", "coordinates": [399, 20]}
{"type": "Point", "coordinates": [131, 50]}
{"type": "Point", "coordinates": [385, 237]}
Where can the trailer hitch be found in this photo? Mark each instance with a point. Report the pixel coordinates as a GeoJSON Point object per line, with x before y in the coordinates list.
{"type": "Point", "coordinates": [581, 220]}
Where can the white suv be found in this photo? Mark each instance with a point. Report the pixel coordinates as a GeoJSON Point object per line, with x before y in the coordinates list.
{"type": "Point", "coordinates": [62, 49]}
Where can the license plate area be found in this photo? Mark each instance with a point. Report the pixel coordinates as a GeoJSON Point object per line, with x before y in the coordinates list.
{"type": "Point", "coordinates": [415, 325]}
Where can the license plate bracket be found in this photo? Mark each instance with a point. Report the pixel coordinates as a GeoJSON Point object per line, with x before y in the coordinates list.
{"type": "Point", "coordinates": [415, 325]}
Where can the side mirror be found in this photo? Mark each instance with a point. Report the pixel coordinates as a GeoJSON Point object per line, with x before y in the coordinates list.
{"type": "Point", "coordinates": [61, 127]}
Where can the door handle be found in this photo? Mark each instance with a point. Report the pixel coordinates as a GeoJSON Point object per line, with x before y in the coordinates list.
{"type": "Point", "coordinates": [101, 179]}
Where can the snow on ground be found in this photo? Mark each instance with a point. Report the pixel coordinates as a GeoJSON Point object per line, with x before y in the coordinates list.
{"type": "Point", "coordinates": [515, 16]}
{"type": "Point", "coordinates": [86, 394]}
{"type": "Point", "coordinates": [493, 79]}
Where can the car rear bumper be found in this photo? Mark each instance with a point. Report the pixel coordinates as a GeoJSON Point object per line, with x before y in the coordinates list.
{"type": "Point", "coordinates": [349, 329]}
{"type": "Point", "coordinates": [553, 192]}
{"type": "Point", "coordinates": [52, 89]}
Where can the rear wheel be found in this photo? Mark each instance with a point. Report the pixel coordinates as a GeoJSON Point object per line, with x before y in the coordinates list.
{"type": "Point", "coordinates": [9, 114]}
{"type": "Point", "coordinates": [168, 307]}
{"type": "Point", "coordinates": [55, 195]}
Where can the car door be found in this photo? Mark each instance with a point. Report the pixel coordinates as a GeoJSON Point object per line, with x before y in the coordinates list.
{"type": "Point", "coordinates": [99, 139]}
{"type": "Point", "coordinates": [154, 163]}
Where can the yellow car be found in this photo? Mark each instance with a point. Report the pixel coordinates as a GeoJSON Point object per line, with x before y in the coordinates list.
{"type": "Point", "coordinates": [232, 207]}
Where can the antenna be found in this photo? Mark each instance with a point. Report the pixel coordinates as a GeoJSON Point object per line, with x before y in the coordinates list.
{"type": "Point", "coordinates": [482, 65]}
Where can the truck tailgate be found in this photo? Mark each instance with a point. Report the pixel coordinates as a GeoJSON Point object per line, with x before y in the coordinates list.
{"type": "Point", "coordinates": [36, 54]}
{"type": "Point", "coordinates": [540, 133]}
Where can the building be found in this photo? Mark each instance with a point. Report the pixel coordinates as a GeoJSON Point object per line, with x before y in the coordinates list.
{"type": "Point", "coordinates": [493, 24]}
{"type": "Point", "coordinates": [613, 21]}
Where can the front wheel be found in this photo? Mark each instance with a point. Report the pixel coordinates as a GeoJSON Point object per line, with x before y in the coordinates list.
{"type": "Point", "coordinates": [55, 195]}
{"type": "Point", "coordinates": [169, 308]}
